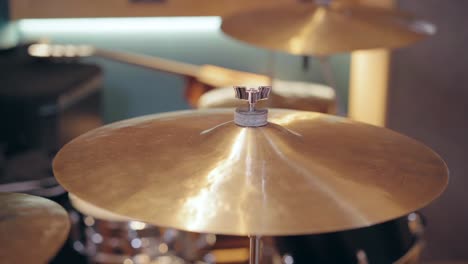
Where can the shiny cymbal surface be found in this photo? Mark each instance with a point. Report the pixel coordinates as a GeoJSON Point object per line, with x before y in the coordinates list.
{"type": "Point", "coordinates": [32, 229]}
{"type": "Point", "coordinates": [302, 173]}
{"type": "Point", "coordinates": [96, 212]}
{"type": "Point", "coordinates": [311, 29]}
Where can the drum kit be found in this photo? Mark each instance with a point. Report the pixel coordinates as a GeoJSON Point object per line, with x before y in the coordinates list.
{"type": "Point", "coordinates": [248, 184]}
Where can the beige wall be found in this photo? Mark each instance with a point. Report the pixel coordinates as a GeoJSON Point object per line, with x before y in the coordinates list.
{"type": "Point", "coordinates": [428, 100]}
{"type": "Point", "coordinates": [368, 81]}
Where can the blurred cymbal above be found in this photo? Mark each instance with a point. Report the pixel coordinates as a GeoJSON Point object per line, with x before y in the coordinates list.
{"type": "Point", "coordinates": [302, 173]}
{"type": "Point", "coordinates": [310, 28]}
{"type": "Point", "coordinates": [32, 229]}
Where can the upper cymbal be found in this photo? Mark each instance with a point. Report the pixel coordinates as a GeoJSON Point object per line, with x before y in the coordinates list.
{"type": "Point", "coordinates": [303, 173]}
{"type": "Point", "coordinates": [310, 29]}
{"type": "Point", "coordinates": [32, 229]}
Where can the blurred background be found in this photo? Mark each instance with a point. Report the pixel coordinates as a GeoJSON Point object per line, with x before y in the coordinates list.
{"type": "Point", "coordinates": [420, 90]}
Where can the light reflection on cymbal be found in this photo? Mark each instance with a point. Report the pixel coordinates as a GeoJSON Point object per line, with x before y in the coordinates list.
{"type": "Point", "coordinates": [293, 117]}
{"type": "Point", "coordinates": [202, 205]}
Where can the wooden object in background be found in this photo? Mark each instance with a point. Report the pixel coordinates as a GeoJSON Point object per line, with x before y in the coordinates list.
{"type": "Point", "coordinates": [126, 8]}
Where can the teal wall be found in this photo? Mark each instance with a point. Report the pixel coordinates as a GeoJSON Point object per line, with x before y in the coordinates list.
{"type": "Point", "coordinates": [130, 91]}
{"type": "Point", "coordinates": [8, 37]}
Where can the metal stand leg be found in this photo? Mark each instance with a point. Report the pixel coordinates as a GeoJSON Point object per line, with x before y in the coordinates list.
{"type": "Point", "coordinates": [254, 250]}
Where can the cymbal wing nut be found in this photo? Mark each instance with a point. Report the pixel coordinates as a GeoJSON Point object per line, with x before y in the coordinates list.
{"type": "Point", "coordinates": [251, 117]}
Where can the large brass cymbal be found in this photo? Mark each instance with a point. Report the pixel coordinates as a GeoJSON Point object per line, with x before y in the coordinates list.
{"type": "Point", "coordinates": [310, 29]}
{"type": "Point", "coordinates": [303, 173]}
{"type": "Point", "coordinates": [91, 210]}
{"type": "Point", "coordinates": [32, 229]}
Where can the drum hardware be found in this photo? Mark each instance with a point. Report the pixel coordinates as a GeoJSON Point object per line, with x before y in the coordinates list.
{"type": "Point", "coordinates": [215, 254]}
{"type": "Point", "coordinates": [413, 255]}
{"type": "Point", "coordinates": [251, 117]}
{"type": "Point", "coordinates": [416, 226]}
{"type": "Point", "coordinates": [318, 28]}
{"type": "Point", "coordinates": [254, 249]}
{"type": "Point", "coordinates": [27, 219]}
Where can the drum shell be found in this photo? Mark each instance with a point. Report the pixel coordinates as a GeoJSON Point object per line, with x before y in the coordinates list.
{"type": "Point", "coordinates": [383, 243]}
{"type": "Point", "coordinates": [285, 94]}
{"type": "Point", "coordinates": [105, 241]}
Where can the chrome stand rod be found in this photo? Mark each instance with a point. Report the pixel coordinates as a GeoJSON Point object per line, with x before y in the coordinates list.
{"type": "Point", "coordinates": [254, 250]}
{"type": "Point", "coordinates": [327, 73]}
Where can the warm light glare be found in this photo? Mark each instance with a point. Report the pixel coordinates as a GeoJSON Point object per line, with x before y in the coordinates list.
{"type": "Point", "coordinates": [89, 221]}
{"type": "Point", "coordinates": [202, 205]}
{"type": "Point", "coordinates": [44, 50]}
{"type": "Point", "coordinates": [231, 255]}
{"type": "Point", "coordinates": [112, 25]}
{"type": "Point", "coordinates": [293, 117]}
{"type": "Point", "coordinates": [136, 225]}
{"type": "Point", "coordinates": [128, 261]}
{"type": "Point", "coordinates": [163, 248]}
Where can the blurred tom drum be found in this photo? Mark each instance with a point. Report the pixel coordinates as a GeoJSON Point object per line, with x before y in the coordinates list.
{"type": "Point", "coordinates": [285, 94]}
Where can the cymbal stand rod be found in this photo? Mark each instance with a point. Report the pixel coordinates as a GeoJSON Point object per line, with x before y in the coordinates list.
{"type": "Point", "coordinates": [271, 64]}
{"type": "Point", "coordinates": [254, 249]}
{"type": "Point", "coordinates": [327, 73]}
